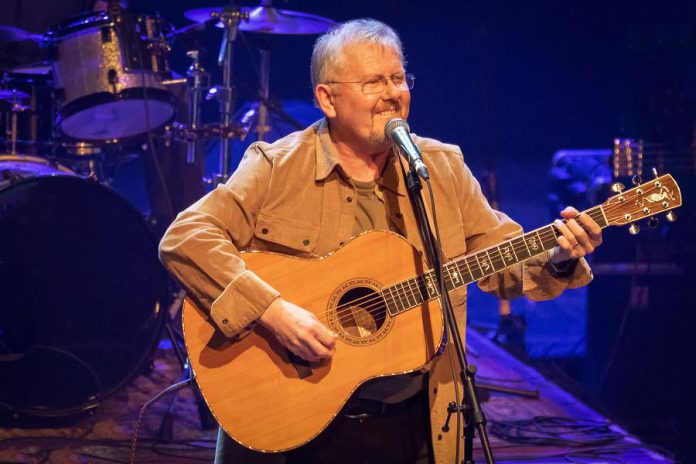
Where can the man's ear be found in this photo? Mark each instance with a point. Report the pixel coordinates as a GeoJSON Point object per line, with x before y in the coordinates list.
{"type": "Point", "coordinates": [325, 99]}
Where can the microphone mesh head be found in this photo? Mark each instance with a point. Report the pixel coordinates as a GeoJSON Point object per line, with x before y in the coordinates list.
{"type": "Point", "coordinates": [394, 124]}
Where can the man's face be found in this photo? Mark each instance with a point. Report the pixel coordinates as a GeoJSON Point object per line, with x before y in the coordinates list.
{"type": "Point", "coordinates": [358, 119]}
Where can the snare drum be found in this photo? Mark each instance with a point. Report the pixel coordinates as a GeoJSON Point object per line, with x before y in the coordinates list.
{"type": "Point", "coordinates": [83, 293]}
{"type": "Point", "coordinates": [110, 76]}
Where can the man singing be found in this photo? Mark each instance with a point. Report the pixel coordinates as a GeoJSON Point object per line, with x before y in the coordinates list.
{"type": "Point", "coordinates": [309, 193]}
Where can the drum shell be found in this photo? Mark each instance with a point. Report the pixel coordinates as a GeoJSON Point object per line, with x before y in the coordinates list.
{"type": "Point", "coordinates": [99, 62]}
{"type": "Point", "coordinates": [83, 291]}
{"type": "Point", "coordinates": [104, 72]}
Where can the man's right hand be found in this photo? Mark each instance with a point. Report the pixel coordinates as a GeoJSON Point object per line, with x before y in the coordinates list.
{"type": "Point", "coordinates": [299, 331]}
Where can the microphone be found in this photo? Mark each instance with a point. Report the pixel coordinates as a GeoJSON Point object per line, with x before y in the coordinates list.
{"type": "Point", "coordinates": [399, 133]}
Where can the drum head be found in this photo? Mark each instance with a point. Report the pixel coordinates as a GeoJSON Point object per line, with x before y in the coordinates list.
{"type": "Point", "coordinates": [83, 294]}
{"type": "Point", "coordinates": [105, 116]}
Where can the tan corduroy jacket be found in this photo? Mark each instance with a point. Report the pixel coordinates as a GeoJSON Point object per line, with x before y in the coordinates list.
{"type": "Point", "coordinates": [292, 197]}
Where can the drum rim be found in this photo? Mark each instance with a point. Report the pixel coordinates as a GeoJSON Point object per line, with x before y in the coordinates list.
{"type": "Point", "coordinates": [60, 169]}
{"type": "Point", "coordinates": [163, 301]}
{"type": "Point", "coordinates": [12, 75]}
{"type": "Point", "coordinates": [85, 21]}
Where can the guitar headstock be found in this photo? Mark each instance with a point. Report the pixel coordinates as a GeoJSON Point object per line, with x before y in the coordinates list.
{"type": "Point", "coordinates": [643, 201]}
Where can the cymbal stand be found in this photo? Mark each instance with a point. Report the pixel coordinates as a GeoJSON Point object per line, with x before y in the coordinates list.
{"type": "Point", "coordinates": [264, 108]}
{"type": "Point", "coordinates": [229, 17]}
{"type": "Point", "coordinates": [259, 116]}
{"type": "Point", "coordinates": [262, 127]}
{"type": "Point", "coordinates": [197, 80]}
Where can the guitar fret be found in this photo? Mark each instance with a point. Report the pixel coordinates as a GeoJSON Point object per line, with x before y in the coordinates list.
{"type": "Point", "coordinates": [485, 266]}
{"type": "Point", "coordinates": [488, 252]}
{"type": "Point", "coordinates": [471, 274]}
{"type": "Point", "coordinates": [532, 244]}
{"type": "Point", "coordinates": [598, 215]}
{"type": "Point", "coordinates": [423, 288]}
{"type": "Point", "coordinates": [529, 252]}
{"type": "Point", "coordinates": [431, 286]}
{"type": "Point", "coordinates": [400, 293]}
{"type": "Point", "coordinates": [397, 303]}
{"type": "Point", "coordinates": [541, 241]}
{"type": "Point", "coordinates": [550, 240]}
{"type": "Point", "coordinates": [454, 278]}
{"type": "Point", "coordinates": [419, 290]}
{"type": "Point", "coordinates": [412, 294]}
{"type": "Point", "coordinates": [403, 297]}
{"type": "Point", "coordinates": [505, 250]}
{"type": "Point", "coordinates": [387, 291]}
{"type": "Point", "coordinates": [458, 267]}
{"type": "Point", "coordinates": [477, 268]}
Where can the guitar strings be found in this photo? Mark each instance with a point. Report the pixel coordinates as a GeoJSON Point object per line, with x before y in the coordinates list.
{"type": "Point", "coordinates": [375, 304]}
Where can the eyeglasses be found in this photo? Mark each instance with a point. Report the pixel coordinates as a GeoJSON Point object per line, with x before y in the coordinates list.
{"type": "Point", "coordinates": [402, 81]}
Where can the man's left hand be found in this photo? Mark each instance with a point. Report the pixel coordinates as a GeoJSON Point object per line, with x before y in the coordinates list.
{"type": "Point", "coordinates": [574, 242]}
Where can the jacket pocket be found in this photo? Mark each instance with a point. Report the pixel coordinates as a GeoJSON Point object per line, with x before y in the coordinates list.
{"type": "Point", "coordinates": [285, 235]}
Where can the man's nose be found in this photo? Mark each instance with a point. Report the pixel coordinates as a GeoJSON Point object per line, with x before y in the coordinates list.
{"type": "Point", "coordinates": [391, 90]}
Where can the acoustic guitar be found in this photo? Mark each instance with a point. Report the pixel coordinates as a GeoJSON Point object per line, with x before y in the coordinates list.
{"type": "Point", "coordinates": [376, 293]}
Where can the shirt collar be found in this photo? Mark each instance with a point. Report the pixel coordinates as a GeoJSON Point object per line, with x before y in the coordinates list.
{"type": "Point", "coordinates": [327, 161]}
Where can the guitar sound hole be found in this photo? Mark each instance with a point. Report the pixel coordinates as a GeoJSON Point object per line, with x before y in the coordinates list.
{"type": "Point", "coordinates": [361, 312]}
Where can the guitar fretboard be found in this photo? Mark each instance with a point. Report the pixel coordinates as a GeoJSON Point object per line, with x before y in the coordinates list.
{"type": "Point", "coordinates": [412, 292]}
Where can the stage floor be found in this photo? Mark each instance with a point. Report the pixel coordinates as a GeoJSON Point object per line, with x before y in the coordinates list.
{"type": "Point", "coordinates": [105, 436]}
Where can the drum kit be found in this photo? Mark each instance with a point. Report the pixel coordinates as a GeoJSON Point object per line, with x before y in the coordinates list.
{"type": "Point", "coordinates": [84, 295]}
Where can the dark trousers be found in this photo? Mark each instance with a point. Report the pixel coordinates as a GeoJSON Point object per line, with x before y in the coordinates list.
{"type": "Point", "coordinates": [398, 435]}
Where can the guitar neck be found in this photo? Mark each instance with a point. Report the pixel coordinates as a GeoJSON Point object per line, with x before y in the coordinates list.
{"type": "Point", "coordinates": [412, 292]}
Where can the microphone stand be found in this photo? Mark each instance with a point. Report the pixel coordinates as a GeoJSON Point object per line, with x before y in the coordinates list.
{"type": "Point", "coordinates": [470, 407]}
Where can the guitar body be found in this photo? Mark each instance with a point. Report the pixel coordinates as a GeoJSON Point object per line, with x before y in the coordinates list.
{"type": "Point", "coordinates": [268, 400]}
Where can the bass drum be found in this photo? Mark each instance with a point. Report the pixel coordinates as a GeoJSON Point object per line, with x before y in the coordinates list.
{"type": "Point", "coordinates": [83, 293]}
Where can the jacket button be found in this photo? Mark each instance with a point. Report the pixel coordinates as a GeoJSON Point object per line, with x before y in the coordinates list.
{"type": "Point", "coordinates": [305, 242]}
{"type": "Point", "coordinates": [224, 321]}
{"type": "Point", "coordinates": [349, 199]}
{"type": "Point", "coordinates": [264, 231]}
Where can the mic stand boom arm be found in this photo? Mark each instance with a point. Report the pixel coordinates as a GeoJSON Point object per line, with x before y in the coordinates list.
{"type": "Point", "coordinates": [470, 407]}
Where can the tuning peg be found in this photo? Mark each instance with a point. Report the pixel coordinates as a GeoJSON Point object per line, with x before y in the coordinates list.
{"type": "Point", "coordinates": [653, 222]}
{"type": "Point", "coordinates": [637, 179]}
{"type": "Point", "coordinates": [670, 216]}
{"type": "Point", "coordinates": [655, 173]}
{"type": "Point", "coordinates": [633, 229]}
{"type": "Point", "coordinates": [617, 187]}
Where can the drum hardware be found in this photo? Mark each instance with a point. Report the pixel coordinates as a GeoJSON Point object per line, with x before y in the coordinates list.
{"type": "Point", "coordinates": [177, 81]}
{"type": "Point", "coordinates": [28, 104]}
{"type": "Point", "coordinates": [230, 18]}
{"type": "Point", "coordinates": [184, 133]}
{"type": "Point", "coordinates": [11, 99]}
{"type": "Point", "coordinates": [198, 80]}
